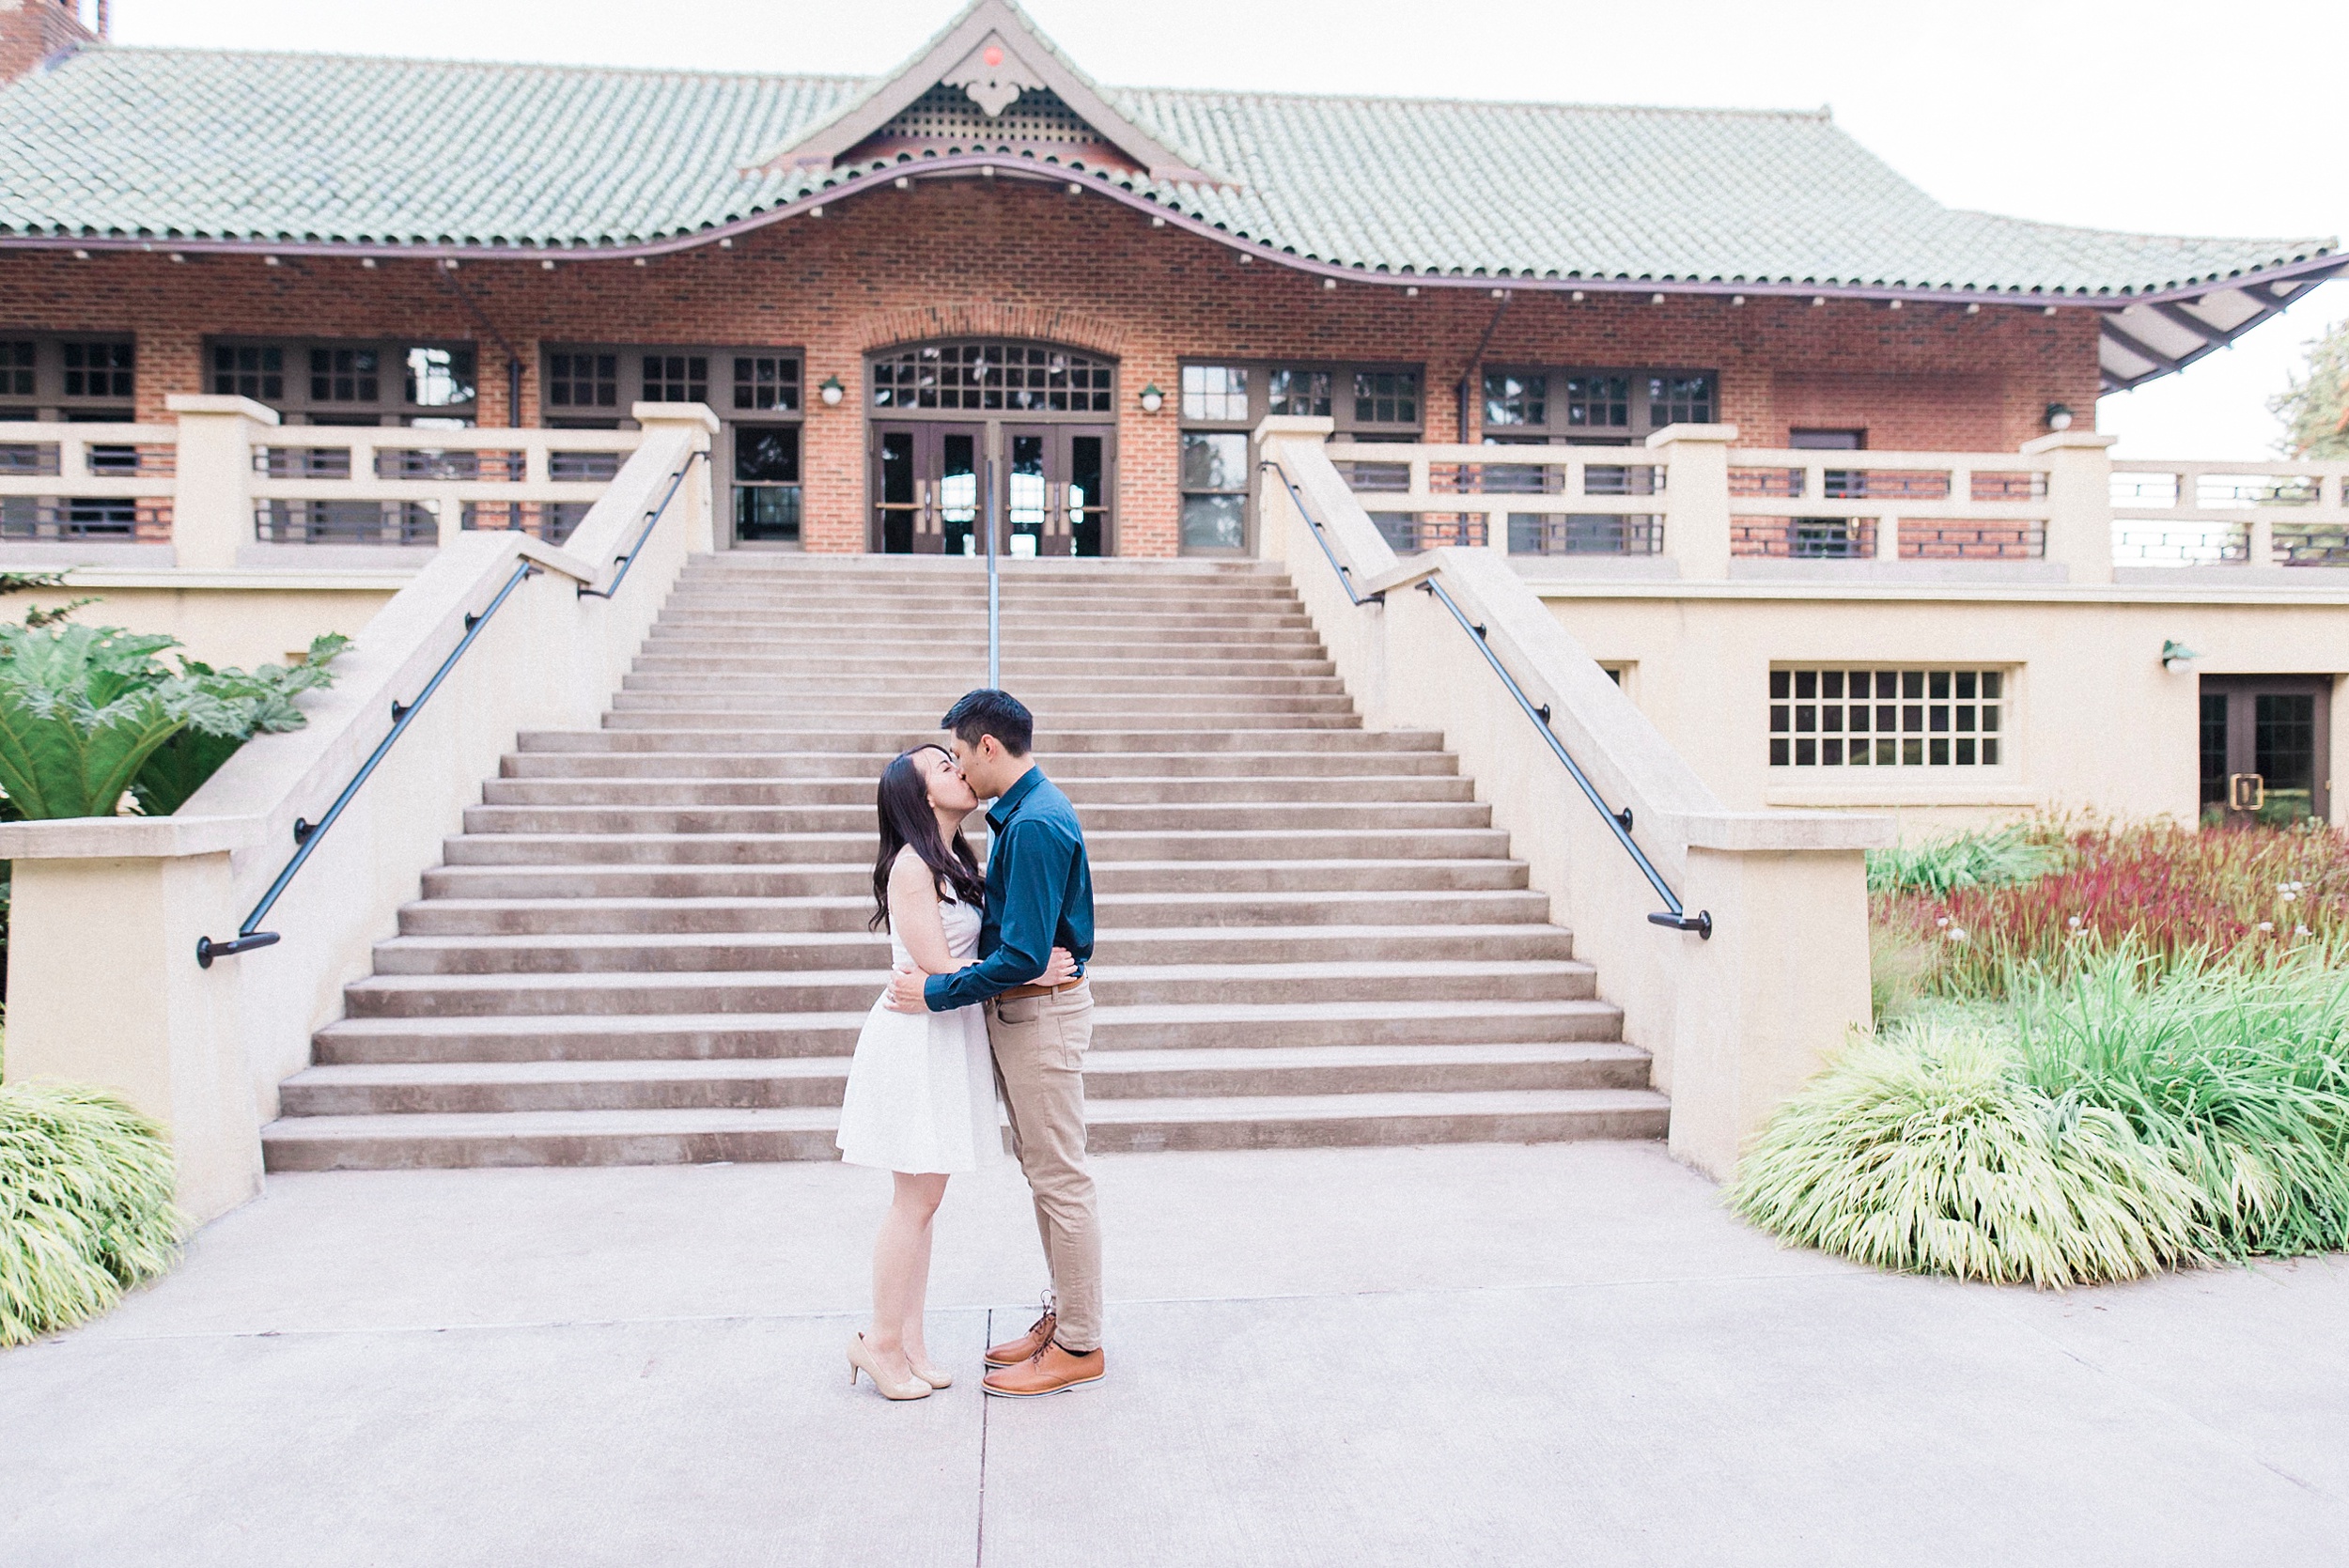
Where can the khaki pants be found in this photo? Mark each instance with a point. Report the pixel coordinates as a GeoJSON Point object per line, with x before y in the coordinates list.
{"type": "Point", "coordinates": [1039, 1045]}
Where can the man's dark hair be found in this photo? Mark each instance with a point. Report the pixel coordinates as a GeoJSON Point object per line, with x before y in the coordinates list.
{"type": "Point", "coordinates": [987, 711]}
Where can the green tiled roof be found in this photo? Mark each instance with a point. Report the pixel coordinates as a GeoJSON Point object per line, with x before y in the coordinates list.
{"type": "Point", "coordinates": [199, 144]}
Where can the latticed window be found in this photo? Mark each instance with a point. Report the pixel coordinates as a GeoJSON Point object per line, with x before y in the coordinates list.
{"type": "Point", "coordinates": [583, 380]}
{"type": "Point", "coordinates": [1598, 402]}
{"type": "Point", "coordinates": [1215, 392]}
{"type": "Point", "coordinates": [677, 378]}
{"type": "Point", "coordinates": [250, 370]}
{"type": "Point", "coordinates": [1386, 397]}
{"type": "Point", "coordinates": [989, 375]}
{"type": "Point", "coordinates": [440, 378]}
{"type": "Point", "coordinates": [16, 369]}
{"type": "Point", "coordinates": [766, 382]}
{"type": "Point", "coordinates": [1680, 400]}
{"type": "Point", "coordinates": [1300, 394]}
{"type": "Point", "coordinates": [1517, 400]}
{"type": "Point", "coordinates": [97, 370]}
{"type": "Point", "coordinates": [346, 375]}
{"type": "Point", "coordinates": [1872, 718]}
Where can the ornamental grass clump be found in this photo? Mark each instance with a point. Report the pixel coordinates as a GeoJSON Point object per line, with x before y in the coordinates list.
{"type": "Point", "coordinates": [2239, 1071]}
{"type": "Point", "coordinates": [86, 1210]}
{"type": "Point", "coordinates": [2255, 895]}
{"type": "Point", "coordinates": [1929, 1151]}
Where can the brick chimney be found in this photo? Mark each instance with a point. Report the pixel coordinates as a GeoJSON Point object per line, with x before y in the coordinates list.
{"type": "Point", "coordinates": [35, 31]}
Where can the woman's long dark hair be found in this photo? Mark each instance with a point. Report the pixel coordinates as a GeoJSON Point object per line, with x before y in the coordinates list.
{"type": "Point", "coordinates": [906, 820]}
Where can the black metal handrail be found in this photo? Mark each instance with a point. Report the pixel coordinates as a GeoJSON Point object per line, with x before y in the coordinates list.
{"type": "Point", "coordinates": [1675, 914]}
{"type": "Point", "coordinates": [1321, 536]}
{"type": "Point", "coordinates": [308, 834]}
{"type": "Point", "coordinates": [652, 518]}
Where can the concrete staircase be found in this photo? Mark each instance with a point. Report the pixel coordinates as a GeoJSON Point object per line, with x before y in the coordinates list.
{"type": "Point", "coordinates": [649, 942]}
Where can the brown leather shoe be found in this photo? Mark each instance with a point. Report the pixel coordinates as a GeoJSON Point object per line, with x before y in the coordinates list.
{"type": "Point", "coordinates": [1050, 1370]}
{"type": "Point", "coordinates": [1012, 1352]}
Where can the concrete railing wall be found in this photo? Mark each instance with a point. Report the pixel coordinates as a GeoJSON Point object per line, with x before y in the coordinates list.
{"type": "Point", "coordinates": [1735, 1022]}
{"type": "Point", "coordinates": [104, 984]}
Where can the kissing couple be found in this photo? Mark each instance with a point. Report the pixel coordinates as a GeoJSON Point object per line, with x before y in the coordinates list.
{"type": "Point", "coordinates": [987, 995]}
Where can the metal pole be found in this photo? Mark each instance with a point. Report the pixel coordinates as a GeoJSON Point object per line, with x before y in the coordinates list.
{"type": "Point", "coordinates": [994, 593]}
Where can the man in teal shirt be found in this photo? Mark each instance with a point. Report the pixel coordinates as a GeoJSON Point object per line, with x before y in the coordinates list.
{"type": "Point", "coordinates": [1039, 896]}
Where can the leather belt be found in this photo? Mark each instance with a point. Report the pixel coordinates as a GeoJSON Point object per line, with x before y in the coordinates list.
{"type": "Point", "coordinates": [1017, 992]}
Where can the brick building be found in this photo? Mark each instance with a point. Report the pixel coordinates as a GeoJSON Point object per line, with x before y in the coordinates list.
{"type": "Point", "coordinates": [886, 285]}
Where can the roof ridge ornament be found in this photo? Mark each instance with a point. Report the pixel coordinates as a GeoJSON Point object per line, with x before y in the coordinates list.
{"type": "Point", "coordinates": [994, 76]}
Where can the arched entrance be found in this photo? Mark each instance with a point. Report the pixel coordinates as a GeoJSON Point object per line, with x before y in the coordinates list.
{"type": "Point", "coordinates": [963, 429]}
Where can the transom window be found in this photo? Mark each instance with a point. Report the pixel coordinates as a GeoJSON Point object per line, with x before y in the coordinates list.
{"type": "Point", "coordinates": [250, 370]}
{"type": "Point", "coordinates": [82, 376]}
{"type": "Point", "coordinates": [440, 378]}
{"type": "Point", "coordinates": [1215, 392]}
{"type": "Point", "coordinates": [676, 378]}
{"type": "Point", "coordinates": [987, 377]}
{"type": "Point", "coordinates": [1842, 717]}
{"type": "Point", "coordinates": [346, 375]}
{"type": "Point", "coordinates": [766, 382]}
{"type": "Point", "coordinates": [1302, 394]}
{"type": "Point", "coordinates": [1608, 407]}
{"type": "Point", "coordinates": [97, 370]}
{"type": "Point", "coordinates": [16, 368]}
{"type": "Point", "coordinates": [588, 380]}
{"type": "Point", "coordinates": [348, 383]}
{"type": "Point", "coordinates": [1386, 397]}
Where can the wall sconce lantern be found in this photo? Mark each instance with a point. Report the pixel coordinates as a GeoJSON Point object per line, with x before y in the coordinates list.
{"type": "Point", "coordinates": [1152, 398]}
{"type": "Point", "coordinates": [830, 390]}
{"type": "Point", "coordinates": [2177, 655]}
{"type": "Point", "coordinates": [2058, 418]}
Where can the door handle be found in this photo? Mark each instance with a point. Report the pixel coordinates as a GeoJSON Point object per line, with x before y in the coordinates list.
{"type": "Point", "coordinates": [2245, 792]}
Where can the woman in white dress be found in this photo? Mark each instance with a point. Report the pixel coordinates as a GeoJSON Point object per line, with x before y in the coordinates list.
{"type": "Point", "coordinates": [921, 1096]}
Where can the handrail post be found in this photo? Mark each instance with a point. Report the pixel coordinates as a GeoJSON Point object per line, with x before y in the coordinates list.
{"type": "Point", "coordinates": [2079, 501]}
{"type": "Point", "coordinates": [1695, 458]}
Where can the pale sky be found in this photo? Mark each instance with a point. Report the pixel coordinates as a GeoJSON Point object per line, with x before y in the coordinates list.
{"type": "Point", "coordinates": [2151, 115]}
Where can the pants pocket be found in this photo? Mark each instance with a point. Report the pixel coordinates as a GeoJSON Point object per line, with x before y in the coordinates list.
{"type": "Point", "coordinates": [1017, 1011]}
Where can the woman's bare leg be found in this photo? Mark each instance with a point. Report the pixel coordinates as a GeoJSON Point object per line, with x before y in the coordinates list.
{"type": "Point", "coordinates": [901, 1265]}
{"type": "Point", "coordinates": [918, 1286]}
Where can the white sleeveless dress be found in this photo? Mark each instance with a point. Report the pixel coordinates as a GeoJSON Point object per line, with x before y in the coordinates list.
{"type": "Point", "coordinates": [922, 1087]}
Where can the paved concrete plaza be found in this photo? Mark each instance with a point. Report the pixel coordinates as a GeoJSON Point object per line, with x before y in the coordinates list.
{"type": "Point", "coordinates": [1478, 1355]}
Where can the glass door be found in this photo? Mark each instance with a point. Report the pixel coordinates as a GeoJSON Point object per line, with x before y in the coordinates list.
{"type": "Point", "coordinates": [765, 484]}
{"type": "Point", "coordinates": [1058, 480]}
{"type": "Point", "coordinates": [924, 484]}
{"type": "Point", "coordinates": [2266, 748]}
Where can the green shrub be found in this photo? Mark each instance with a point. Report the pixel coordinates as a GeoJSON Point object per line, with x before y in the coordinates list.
{"type": "Point", "coordinates": [1940, 867]}
{"type": "Point", "coordinates": [88, 714]}
{"type": "Point", "coordinates": [86, 1211]}
{"type": "Point", "coordinates": [1929, 1151]}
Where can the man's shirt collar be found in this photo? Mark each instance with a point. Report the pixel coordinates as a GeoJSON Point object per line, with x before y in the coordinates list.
{"type": "Point", "coordinates": [1008, 802]}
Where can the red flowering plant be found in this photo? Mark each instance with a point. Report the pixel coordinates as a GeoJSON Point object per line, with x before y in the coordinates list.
{"type": "Point", "coordinates": [2254, 896]}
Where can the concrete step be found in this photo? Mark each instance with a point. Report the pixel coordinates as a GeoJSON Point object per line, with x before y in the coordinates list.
{"type": "Point", "coordinates": [769, 991]}
{"type": "Point", "coordinates": [1099, 817]}
{"type": "Point", "coordinates": [457, 916]}
{"type": "Point", "coordinates": [726, 953]}
{"type": "Point", "coordinates": [806, 1132]}
{"type": "Point", "coordinates": [1020, 673]}
{"type": "Point", "coordinates": [608, 754]}
{"type": "Point", "coordinates": [1071, 709]}
{"type": "Point", "coordinates": [1086, 793]}
{"type": "Point", "coordinates": [744, 1082]}
{"type": "Point", "coordinates": [750, 732]}
{"type": "Point", "coordinates": [1221, 1025]}
{"type": "Point", "coordinates": [848, 879]}
{"type": "Point", "coordinates": [1305, 843]}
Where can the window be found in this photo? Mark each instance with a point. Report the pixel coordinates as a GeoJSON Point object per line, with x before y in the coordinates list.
{"type": "Point", "coordinates": [1679, 400]}
{"type": "Point", "coordinates": [1874, 718]}
{"type": "Point", "coordinates": [583, 380]}
{"type": "Point", "coordinates": [1302, 394]}
{"type": "Point", "coordinates": [1598, 402]}
{"type": "Point", "coordinates": [1515, 401]}
{"type": "Point", "coordinates": [1215, 393]}
{"type": "Point", "coordinates": [677, 378]}
{"type": "Point", "coordinates": [16, 368]}
{"type": "Point", "coordinates": [766, 382]}
{"type": "Point", "coordinates": [1386, 397]}
{"type": "Point", "coordinates": [767, 484]}
{"type": "Point", "coordinates": [346, 375]}
{"type": "Point", "coordinates": [988, 376]}
{"type": "Point", "coordinates": [97, 370]}
{"type": "Point", "coordinates": [440, 378]}
{"type": "Point", "coordinates": [1215, 490]}
{"type": "Point", "coordinates": [250, 370]}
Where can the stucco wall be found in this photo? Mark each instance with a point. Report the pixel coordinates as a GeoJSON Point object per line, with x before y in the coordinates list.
{"type": "Point", "coordinates": [2096, 722]}
{"type": "Point", "coordinates": [240, 622]}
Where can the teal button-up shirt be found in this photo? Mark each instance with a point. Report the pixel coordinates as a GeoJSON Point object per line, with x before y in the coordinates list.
{"type": "Point", "coordinates": [1039, 896]}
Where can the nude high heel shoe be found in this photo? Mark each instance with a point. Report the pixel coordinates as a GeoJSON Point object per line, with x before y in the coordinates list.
{"type": "Point", "coordinates": [934, 1377]}
{"type": "Point", "coordinates": [859, 1359]}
